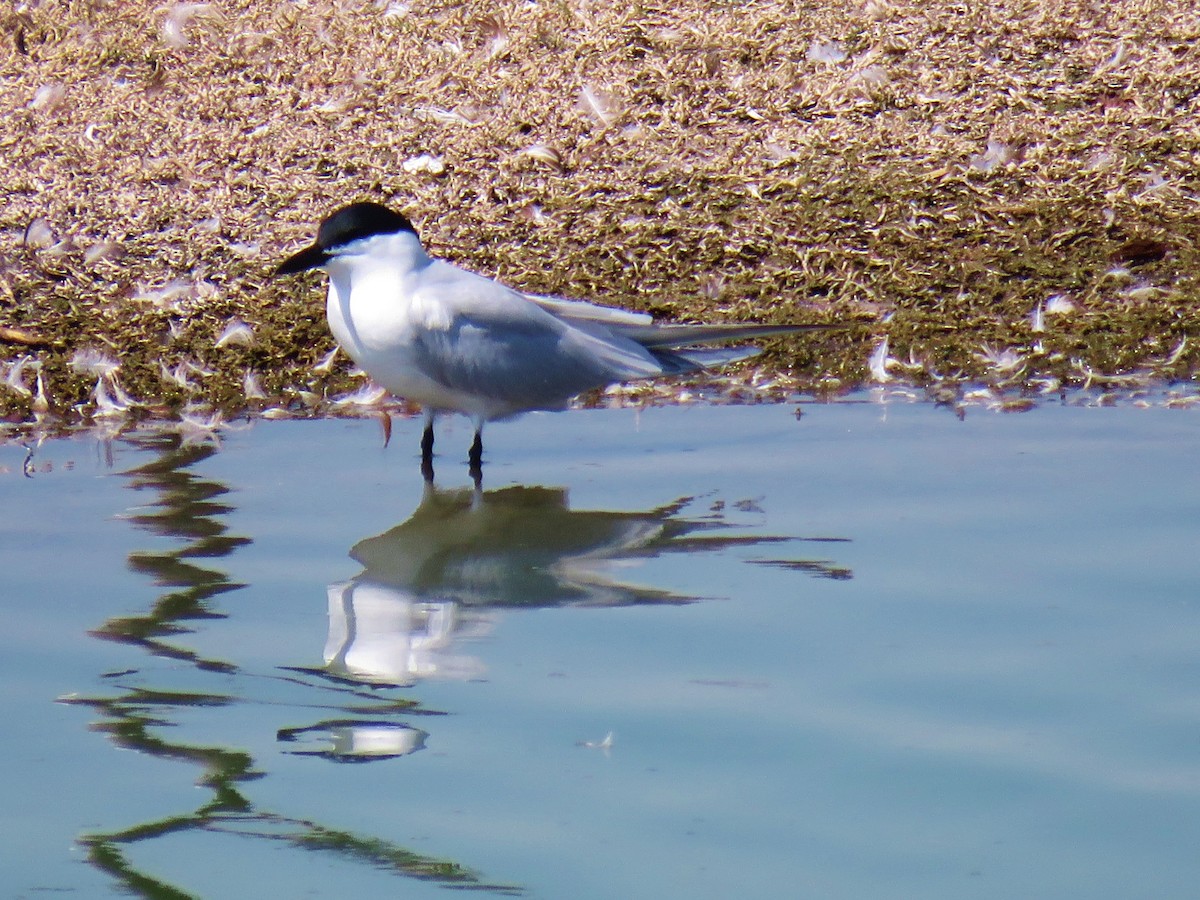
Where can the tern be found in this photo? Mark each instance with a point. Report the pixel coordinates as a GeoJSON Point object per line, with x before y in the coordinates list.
{"type": "Point", "coordinates": [456, 341]}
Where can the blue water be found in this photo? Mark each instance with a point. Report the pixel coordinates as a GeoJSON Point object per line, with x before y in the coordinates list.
{"type": "Point", "coordinates": [684, 652]}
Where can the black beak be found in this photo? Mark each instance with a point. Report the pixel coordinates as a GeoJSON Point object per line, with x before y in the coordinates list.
{"type": "Point", "coordinates": [309, 258]}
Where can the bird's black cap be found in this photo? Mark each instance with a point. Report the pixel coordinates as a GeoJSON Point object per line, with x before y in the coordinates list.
{"type": "Point", "coordinates": [350, 223]}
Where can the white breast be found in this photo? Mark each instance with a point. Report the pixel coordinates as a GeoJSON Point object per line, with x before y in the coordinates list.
{"type": "Point", "coordinates": [375, 314]}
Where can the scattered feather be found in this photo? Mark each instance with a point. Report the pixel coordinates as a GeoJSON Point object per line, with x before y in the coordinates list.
{"type": "Point", "coordinates": [829, 52]}
{"type": "Point", "coordinates": [369, 394]}
{"type": "Point", "coordinates": [1177, 353]}
{"type": "Point", "coordinates": [1142, 293]}
{"type": "Point", "coordinates": [245, 249]}
{"type": "Point", "coordinates": [181, 17]}
{"type": "Point", "coordinates": [252, 387]}
{"type": "Point", "coordinates": [41, 398]}
{"type": "Point", "coordinates": [1003, 361]}
{"type": "Point", "coordinates": [326, 363]}
{"type": "Point", "coordinates": [1059, 305]}
{"type": "Point", "coordinates": [1046, 385]}
{"type": "Point", "coordinates": [1037, 318]}
{"type": "Point", "coordinates": [102, 250]}
{"type": "Point", "coordinates": [440, 115]}
{"type": "Point", "coordinates": [236, 333]}
{"type": "Point", "coordinates": [980, 395]}
{"type": "Point", "coordinates": [778, 154]}
{"type": "Point", "coordinates": [996, 154]}
{"type": "Point", "coordinates": [1154, 183]}
{"type": "Point", "coordinates": [878, 10]}
{"type": "Point", "coordinates": [92, 362]}
{"type": "Point", "coordinates": [110, 398]}
{"type": "Point", "coordinates": [62, 248]}
{"type": "Point", "coordinates": [424, 164]}
{"type": "Point", "coordinates": [543, 154]}
{"type": "Point", "coordinates": [14, 378]}
{"type": "Point", "coordinates": [495, 34]}
{"type": "Point", "coordinates": [878, 362]}
{"type": "Point", "coordinates": [176, 376]}
{"type": "Point", "coordinates": [534, 213]}
{"type": "Point", "coordinates": [936, 98]}
{"type": "Point", "coordinates": [48, 97]}
{"type": "Point", "coordinates": [197, 427]}
{"type": "Point", "coordinates": [712, 285]}
{"type": "Point", "coordinates": [870, 81]}
{"type": "Point", "coordinates": [605, 744]}
{"type": "Point", "coordinates": [334, 106]}
{"type": "Point", "coordinates": [599, 105]}
{"type": "Point", "coordinates": [170, 296]}
{"type": "Point", "coordinates": [38, 234]}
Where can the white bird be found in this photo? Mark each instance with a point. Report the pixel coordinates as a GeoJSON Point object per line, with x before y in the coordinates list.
{"type": "Point", "coordinates": [455, 341]}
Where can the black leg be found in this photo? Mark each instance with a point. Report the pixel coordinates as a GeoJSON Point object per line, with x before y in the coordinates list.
{"type": "Point", "coordinates": [427, 444]}
{"type": "Point", "coordinates": [427, 453]}
{"type": "Point", "coordinates": [475, 457]}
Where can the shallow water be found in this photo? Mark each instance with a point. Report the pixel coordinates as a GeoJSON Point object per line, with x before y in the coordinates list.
{"type": "Point", "coordinates": [683, 652]}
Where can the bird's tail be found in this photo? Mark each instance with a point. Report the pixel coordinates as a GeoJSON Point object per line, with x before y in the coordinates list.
{"type": "Point", "coordinates": [673, 345]}
{"type": "Point", "coordinates": [658, 336]}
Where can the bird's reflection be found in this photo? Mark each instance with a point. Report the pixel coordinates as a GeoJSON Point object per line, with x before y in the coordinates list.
{"type": "Point", "coordinates": [437, 579]}
{"type": "Point", "coordinates": [146, 707]}
{"type": "Point", "coordinates": [355, 740]}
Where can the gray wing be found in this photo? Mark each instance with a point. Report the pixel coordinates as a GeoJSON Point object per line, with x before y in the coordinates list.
{"type": "Point", "coordinates": [640, 327]}
{"type": "Point", "coordinates": [581, 311]}
{"type": "Point", "coordinates": [526, 351]}
{"type": "Point", "coordinates": [502, 346]}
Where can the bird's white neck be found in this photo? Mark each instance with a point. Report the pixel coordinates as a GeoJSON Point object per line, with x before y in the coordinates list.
{"type": "Point", "coordinates": [400, 253]}
{"type": "Point", "coordinates": [374, 270]}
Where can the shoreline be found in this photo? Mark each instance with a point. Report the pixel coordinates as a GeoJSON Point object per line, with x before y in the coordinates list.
{"type": "Point", "coordinates": [197, 424]}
